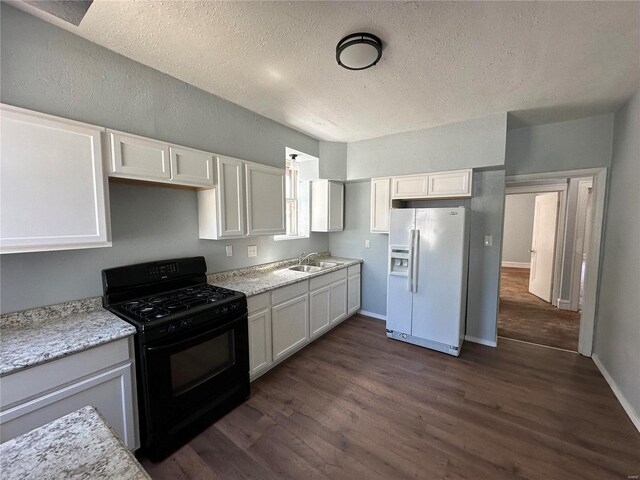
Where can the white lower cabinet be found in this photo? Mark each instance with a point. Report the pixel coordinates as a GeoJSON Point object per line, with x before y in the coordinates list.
{"type": "Point", "coordinates": [103, 377]}
{"type": "Point", "coordinates": [286, 319]}
{"type": "Point", "coordinates": [290, 326]}
{"type": "Point", "coordinates": [320, 311]}
{"type": "Point", "coordinates": [353, 289]}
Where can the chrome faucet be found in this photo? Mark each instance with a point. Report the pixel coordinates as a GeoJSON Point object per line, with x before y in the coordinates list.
{"type": "Point", "coordinates": [304, 258]}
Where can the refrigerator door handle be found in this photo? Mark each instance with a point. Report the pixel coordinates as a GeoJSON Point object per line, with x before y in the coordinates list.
{"type": "Point", "coordinates": [415, 242]}
{"type": "Point", "coordinates": [410, 266]}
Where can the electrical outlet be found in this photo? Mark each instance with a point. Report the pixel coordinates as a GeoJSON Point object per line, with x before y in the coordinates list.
{"type": "Point", "coordinates": [252, 251]}
{"type": "Point", "coordinates": [488, 240]}
{"type": "Point", "coordinates": [229, 249]}
{"type": "Point", "coordinates": [367, 244]}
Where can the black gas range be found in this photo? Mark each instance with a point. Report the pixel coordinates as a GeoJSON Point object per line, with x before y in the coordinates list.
{"type": "Point", "coordinates": [192, 352]}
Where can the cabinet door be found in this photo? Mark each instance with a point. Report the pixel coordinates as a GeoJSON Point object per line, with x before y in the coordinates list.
{"type": "Point", "coordinates": [338, 301]}
{"type": "Point", "coordinates": [450, 184]}
{"type": "Point", "coordinates": [53, 191]}
{"type": "Point", "coordinates": [138, 158]}
{"type": "Point", "coordinates": [265, 200]}
{"type": "Point", "coordinates": [353, 293]}
{"type": "Point", "coordinates": [380, 204]}
{"type": "Point", "coordinates": [230, 197]}
{"type": "Point", "coordinates": [191, 167]}
{"type": "Point", "coordinates": [319, 311]}
{"type": "Point", "coordinates": [259, 341]}
{"type": "Point", "coordinates": [290, 326]}
{"type": "Point", "coordinates": [110, 392]}
{"type": "Point", "coordinates": [410, 186]}
{"type": "Point", "coordinates": [336, 207]}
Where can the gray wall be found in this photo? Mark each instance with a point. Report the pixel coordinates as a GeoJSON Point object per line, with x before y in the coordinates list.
{"type": "Point", "coordinates": [333, 160]}
{"type": "Point", "coordinates": [575, 144]}
{"type": "Point", "coordinates": [518, 227]}
{"type": "Point", "coordinates": [47, 69]}
{"type": "Point", "coordinates": [350, 243]}
{"type": "Point", "coordinates": [473, 143]}
{"type": "Point", "coordinates": [618, 316]}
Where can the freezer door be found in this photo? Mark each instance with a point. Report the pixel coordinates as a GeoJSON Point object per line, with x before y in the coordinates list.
{"type": "Point", "coordinates": [399, 294]}
{"type": "Point", "coordinates": [441, 275]}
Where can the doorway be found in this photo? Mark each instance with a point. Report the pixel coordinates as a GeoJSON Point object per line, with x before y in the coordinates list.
{"type": "Point", "coordinates": [547, 229]}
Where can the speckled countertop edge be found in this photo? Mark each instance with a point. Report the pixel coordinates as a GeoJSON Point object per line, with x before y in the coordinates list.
{"type": "Point", "coordinates": [77, 445]}
{"type": "Point", "coordinates": [41, 335]}
{"type": "Point", "coordinates": [271, 276]}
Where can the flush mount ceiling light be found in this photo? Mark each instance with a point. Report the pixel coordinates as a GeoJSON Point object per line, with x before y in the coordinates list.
{"type": "Point", "coordinates": [359, 51]}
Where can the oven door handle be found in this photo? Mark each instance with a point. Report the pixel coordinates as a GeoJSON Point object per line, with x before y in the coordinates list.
{"type": "Point", "coordinates": [194, 340]}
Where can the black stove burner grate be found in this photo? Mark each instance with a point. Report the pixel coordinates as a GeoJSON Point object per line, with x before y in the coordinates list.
{"type": "Point", "coordinates": [160, 306]}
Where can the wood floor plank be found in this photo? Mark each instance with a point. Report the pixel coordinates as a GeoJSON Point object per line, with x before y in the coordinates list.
{"type": "Point", "coordinates": [355, 404]}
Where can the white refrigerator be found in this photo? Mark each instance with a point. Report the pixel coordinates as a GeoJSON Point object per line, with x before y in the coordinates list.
{"type": "Point", "coordinates": [427, 281]}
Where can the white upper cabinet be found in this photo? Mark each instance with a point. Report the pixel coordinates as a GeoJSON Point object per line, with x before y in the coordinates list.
{"type": "Point", "coordinates": [192, 167]}
{"type": "Point", "coordinates": [380, 204]}
{"type": "Point", "coordinates": [327, 206]}
{"type": "Point", "coordinates": [449, 184]}
{"type": "Point", "coordinates": [265, 200]}
{"type": "Point", "coordinates": [53, 190]}
{"type": "Point", "coordinates": [410, 186]}
{"type": "Point", "coordinates": [221, 209]}
{"type": "Point", "coordinates": [140, 158]}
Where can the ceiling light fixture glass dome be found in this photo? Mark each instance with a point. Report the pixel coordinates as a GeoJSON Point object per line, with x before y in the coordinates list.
{"type": "Point", "coordinates": [359, 51]}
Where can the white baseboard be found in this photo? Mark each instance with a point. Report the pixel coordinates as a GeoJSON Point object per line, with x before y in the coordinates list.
{"type": "Point", "coordinates": [564, 304]}
{"type": "Point", "coordinates": [481, 341]}
{"type": "Point", "coordinates": [628, 408]}
{"type": "Point", "coordinates": [516, 264]}
{"type": "Point", "coordinates": [373, 315]}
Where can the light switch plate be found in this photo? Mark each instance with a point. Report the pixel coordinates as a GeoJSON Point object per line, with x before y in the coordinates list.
{"type": "Point", "coordinates": [367, 244]}
{"type": "Point", "coordinates": [252, 251]}
{"type": "Point", "coordinates": [229, 250]}
{"type": "Point", "coordinates": [488, 241]}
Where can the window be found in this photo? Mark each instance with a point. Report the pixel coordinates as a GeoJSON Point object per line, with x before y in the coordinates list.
{"type": "Point", "coordinates": [299, 172]}
{"type": "Point", "coordinates": [291, 193]}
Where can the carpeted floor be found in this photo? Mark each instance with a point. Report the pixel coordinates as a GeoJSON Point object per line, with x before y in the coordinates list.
{"type": "Point", "coordinates": [524, 316]}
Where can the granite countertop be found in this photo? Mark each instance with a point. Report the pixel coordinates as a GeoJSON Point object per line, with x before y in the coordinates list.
{"type": "Point", "coordinates": [255, 280]}
{"type": "Point", "coordinates": [41, 335]}
{"type": "Point", "coordinates": [78, 445]}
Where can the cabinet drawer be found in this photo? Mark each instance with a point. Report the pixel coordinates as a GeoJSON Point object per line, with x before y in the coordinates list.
{"type": "Point", "coordinates": [258, 302]}
{"type": "Point", "coordinates": [26, 384]}
{"type": "Point", "coordinates": [353, 269]}
{"type": "Point", "coordinates": [291, 291]}
{"type": "Point", "coordinates": [329, 278]}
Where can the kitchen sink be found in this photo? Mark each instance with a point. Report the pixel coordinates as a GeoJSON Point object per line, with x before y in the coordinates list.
{"type": "Point", "coordinates": [323, 264]}
{"type": "Point", "coordinates": [306, 268]}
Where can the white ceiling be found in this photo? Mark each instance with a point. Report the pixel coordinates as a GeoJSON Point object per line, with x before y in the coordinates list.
{"type": "Point", "coordinates": [442, 61]}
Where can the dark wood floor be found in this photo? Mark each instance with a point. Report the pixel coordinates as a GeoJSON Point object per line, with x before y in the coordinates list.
{"type": "Point", "coordinates": [356, 405]}
{"type": "Point", "coordinates": [524, 316]}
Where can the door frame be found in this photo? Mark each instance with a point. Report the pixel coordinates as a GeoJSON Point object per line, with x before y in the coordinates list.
{"type": "Point", "coordinates": [579, 242]}
{"type": "Point", "coordinates": [561, 188]}
{"type": "Point", "coordinates": [594, 253]}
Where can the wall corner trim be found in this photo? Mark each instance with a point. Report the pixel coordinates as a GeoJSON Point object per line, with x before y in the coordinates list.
{"type": "Point", "coordinates": [481, 341]}
{"type": "Point", "coordinates": [377, 316]}
{"type": "Point", "coordinates": [626, 405]}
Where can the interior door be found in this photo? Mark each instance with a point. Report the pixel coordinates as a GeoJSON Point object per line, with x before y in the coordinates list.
{"type": "Point", "coordinates": [545, 219]}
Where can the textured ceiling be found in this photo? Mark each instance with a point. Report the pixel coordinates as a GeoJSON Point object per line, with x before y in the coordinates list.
{"type": "Point", "coordinates": [442, 61]}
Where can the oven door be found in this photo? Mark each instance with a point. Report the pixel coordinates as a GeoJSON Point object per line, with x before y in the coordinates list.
{"type": "Point", "coordinates": [193, 372]}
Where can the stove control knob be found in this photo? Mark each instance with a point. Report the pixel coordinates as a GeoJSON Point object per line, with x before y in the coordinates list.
{"type": "Point", "coordinates": [171, 328]}
{"type": "Point", "coordinates": [224, 310]}
{"type": "Point", "coordinates": [185, 323]}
